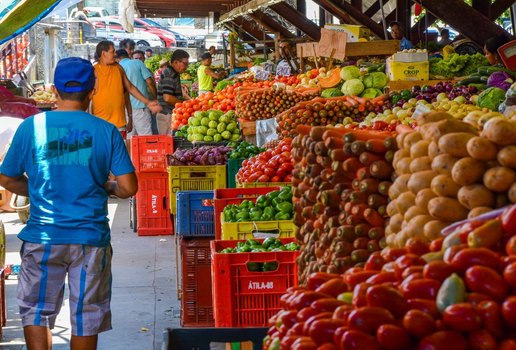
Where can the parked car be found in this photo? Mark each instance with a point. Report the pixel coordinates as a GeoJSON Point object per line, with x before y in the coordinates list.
{"type": "Point", "coordinates": [216, 39]}
{"type": "Point", "coordinates": [180, 39]}
{"type": "Point", "coordinates": [196, 41]}
{"type": "Point", "coordinates": [111, 29]}
{"type": "Point", "coordinates": [92, 12]}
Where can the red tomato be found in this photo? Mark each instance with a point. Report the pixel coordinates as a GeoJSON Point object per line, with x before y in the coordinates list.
{"type": "Point", "coordinates": [387, 297]}
{"type": "Point", "coordinates": [326, 304]}
{"type": "Point", "coordinates": [320, 316]}
{"type": "Point", "coordinates": [359, 294]}
{"type": "Point", "coordinates": [436, 244]}
{"type": "Point", "coordinates": [437, 270]}
{"type": "Point", "coordinates": [425, 288]}
{"type": "Point", "coordinates": [356, 340]}
{"type": "Point", "coordinates": [368, 318]}
{"type": "Point", "coordinates": [374, 262]}
{"type": "Point", "coordinates": [382, 277]}
{"type": "Point", "coordinates": [509, 220]}
{"type": "Point", "coordinates": [298, 328]}
{"type": "Point", "coordinates": [510, 246]}
{"type": "Point", "coordinates": [474, 256]}
{"type": "Point", "coordinates": [337, 336]}
{"type": "Point", "coordinates": [443, 340]}
{"type": "Point", "coordinates": [287, 318]}
{"type": "Point", "coordinates": [391, 254]}
{"type": "Point", "coordinates": [321, 331]}
{"type": "Point", "coordinates": [333, 287]}
{"type": "Point", "coordinates": [450, 252]}
{"type": "Point", "coordinates": [391, 337]}
{"type": "Point", "coordinates": [462, 317]}
{"type": "Point", "coordinates": [481, 340]}
{"type": "Point", "coordinates": [316, 279]}
{"type": "Point", "coordinates": [304, 343]}
{"type": "Point", "coordinates": [492, 318]}
{"type": "Point", "coordinates": [305, 299]}
{"type": "Point", "coordinates": [509, 312]}
{"type": "Point", "coordinates": [417, 247]}
{"type": "Point", "coordinates": [327, 346]}
{"type": "Point", "coordinates": [487, 281]}
{"type": "Point", "coordinates": [342, 312]}
{"type": "Point", "coordinates": [411, 270]}
{"type": "Point", "coordinates": [509, 274]}
{"type": "Point", "coordinates": [358, 277]}
{"type": "Point", "coordinates": [508, 344]}
{"type": "Point", "coordinates": [418, 323]}
{"type": "Point", "coordinates": [425, 305]}
{"type": "Point", "coordinates": [288, 340]}
{"type": "Point", "coordinates": [477, 298]}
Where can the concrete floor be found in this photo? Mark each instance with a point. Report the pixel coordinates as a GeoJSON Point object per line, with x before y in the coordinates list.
{"type": "Point", "coordinates": [144, 301]}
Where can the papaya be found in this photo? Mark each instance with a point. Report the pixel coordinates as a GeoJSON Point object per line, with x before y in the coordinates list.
{"type": "Point", "coordinates": [331, 80]}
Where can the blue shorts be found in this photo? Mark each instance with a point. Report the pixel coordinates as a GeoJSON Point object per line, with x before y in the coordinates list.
{"type": "Point", "coordinates": [41, 284]}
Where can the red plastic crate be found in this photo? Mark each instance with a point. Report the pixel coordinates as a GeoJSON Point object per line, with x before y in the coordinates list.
{"type": "Point", "coordinates": [227, 196]}
{"type": "Point", "coordinates": [149, 153]}
{"type": "Point", "coordinates": [196, 291]}
{"type": "Point", "coordinates": [152, 211]}
{"type": "Point", "coordinates": [242, 298]}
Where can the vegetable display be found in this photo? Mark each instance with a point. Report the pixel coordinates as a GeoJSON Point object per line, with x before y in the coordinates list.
{"type": "Point", "coordinates": [275, 205]}
{"type": "Point", "coordinates": [205, 155]}
{"type": "Point", "coordinates": [455, 65]}
{"type": "Point", "coordinates": [269, 244]}
{"type": "Point", "coordinates": [245, 150]}
{"type": "Point", "coordinates": [214, 126]}
{"type": "Point", "coordinates": [273, 165]}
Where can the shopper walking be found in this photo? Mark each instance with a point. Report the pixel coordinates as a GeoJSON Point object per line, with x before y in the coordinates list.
{"type": "Point", "coordinates": [109, 102]}
{"type": "Point", "coordinates": [67, 155]}
{"type": "Point", "coordinates": [142, 79]}
{"type": "Point", "coordinates": [206, 74]}
{"type": "Point", "coordinates": [170, 90]}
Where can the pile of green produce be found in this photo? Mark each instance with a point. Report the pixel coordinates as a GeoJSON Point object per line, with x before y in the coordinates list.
{"type": "Point", "coordinates": [153, 62]}
{"type": "Point", "coordinates": [213, 126]}
{"type": "Point", "coordinates": [270, 244]}
{"type": "Point", "coordinates": [245, 150]}
{"type": "Point", "coordinates": [369, 85]}
{"type": "Point", "coordinates": [275, 205]}
{"type": "Point", "coordinates": [455, 65]}
{"type": "Point", "coordinates": [182, 132]}
{"type": "Point", "coordinates": [191, 72]}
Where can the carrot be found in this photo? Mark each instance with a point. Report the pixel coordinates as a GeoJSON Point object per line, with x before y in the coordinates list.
{"type": "Point", "coordinates": [347, 207]}
{"type": "Point", "coordinates": [368, 186]}
{"type": "Point", "coordinates": [365, 135]}
{"type": "Point", "coordinates": [354, 220]}
{"type": "Point", "coordinates": [389, 156]}
{"type": "Point", "coordinates": [368, 158]}
{"type": "Point", "coordinates": [339, 155]}
{"type": "Point", "coordinates": [330, 198]}
{"type": "Point", "coordinates": [375, 200]}
{"type": "Point", "coordinates": [381, 169]}
{"type": "Point", "coordinates": [361, 230]}
{"type": "Point", "coordinates": [357, 197]}
{"type": "Point", "coordinates": [355, 184]}
{"type": "Point", "coordinates": [376, 146]}
{"type": "Point", "coordinates": [373, 218]}
{"type": "Point", "coordinates": [360, 100]}
{"type": "Point", "coordinates": [334, 142]}
{"type": "Point", "coordinates": [402, 128]}
{"type": "Point", "coordinates": [383, 187]}
{"type": "Point", "coordinates": [351, 101]}
{"type": "Point", "coordinates": [390, 143]}
{"type": "Point", "coordinates": [303, 129]}
{"type": "Point", "coordinates": [380, 99]}
{"type": "Point", "coordinates": [333, 132]}
{"type": "Point", "coordinates": [317, 133]}
{"type": "Point", "coordinates": [321, 149]}
{"type": "Point", "coordinates": [358, 209]}
{"type": "Point", "coordinates": [363, 173]}
{"type": "Point", "coordinates": [357, 147]}
{"type": "Point", "coordinates": [351, 165]}
{"type": "Point", "coordinates": [376, 232]}
{"type": "Point", "coordinates": [336, 165]}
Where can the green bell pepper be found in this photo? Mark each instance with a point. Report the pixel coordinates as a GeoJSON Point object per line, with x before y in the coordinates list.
{"type": "Point", "coordinates": [263, 201]}
{"type": "Point", "coordinates": [286, 196]}
{"type": "Point", "coordinates": [229, 215]}
{"type": "Point", "coordinates": [277, 201]}
{"type": "Point", "coordinates": [226, 251]}
{"type": "Point", "coordinates": [252, 242]}
{"type": "Point", "coordinates": [268, 214]}
{"type": "Point", "coordinates": [292, 246]}
{"type": "Point", "coordinates": [270, 266]}
{"type": "Point", "coordinates": [284, 207]}
{"type": "Point", "coordinates": [243, 249]}
{"type": "Point", "coordinates": [282, 216]}
{"type": "Point", "coordinates": [406, 95]}
{"type": "Point", "coordinates": [255, 214]}
{"type": "Point", "coordinates": [253, 267]}
{"type": "Point", "coordinates": [242, 215]}
{"type": "Point", "coordinates": [395, 98]}
{"type": "Point", "coordinates": [269, 242]}
{"type": "Point", "coordinates": [258, 249]}
{"type": "Point", "coordinates": [278, 249]}
{"type": "Point", "coordinates": [273, 194]}
{"type": "Point", "coordinates": [246, 204]}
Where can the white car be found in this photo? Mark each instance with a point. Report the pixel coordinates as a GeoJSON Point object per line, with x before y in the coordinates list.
{"type": "Point", "coordinates": [216, 39]}
{"type": "Point", "coordinates": [140, 37]}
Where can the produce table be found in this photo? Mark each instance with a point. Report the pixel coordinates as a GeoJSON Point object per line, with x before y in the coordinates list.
{"type": "Point", "coordinates": [397, 85]}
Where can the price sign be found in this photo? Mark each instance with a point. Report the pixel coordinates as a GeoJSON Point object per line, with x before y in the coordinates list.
{"type": "Point", "coordinates": [262, 75]}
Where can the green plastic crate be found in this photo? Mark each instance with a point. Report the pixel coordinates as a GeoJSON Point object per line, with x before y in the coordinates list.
{"type": "Point", "coordinates": [233, 166]}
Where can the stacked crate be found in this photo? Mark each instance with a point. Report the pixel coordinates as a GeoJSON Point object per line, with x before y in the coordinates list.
{"type": "Point", "coordinates": [150, 212]}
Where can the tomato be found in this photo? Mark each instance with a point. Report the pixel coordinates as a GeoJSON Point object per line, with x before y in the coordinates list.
{"type": "Point", "coordinates": [443, 340]}
{"type": "Point", "coordinates": [368, 318]}
{"type": "Point", "coordinates": [436, 244]}
{"type": "Point", "coordinates": [477, 298]}
{"type": "Point", "coordinates": [481, 340]}
{"type": "Point", "coordinates": [374, 262]}
{"type": "Point", "coordinates": [492, 317]}
{"type": "Point", "coordinates": [508, 344]}
{"type": "Point", "coordinates": [304, 343]}
{"type": "Point", "coordinates": [327, 346]}
{"type": "Point", "coordinates": [411, 270]}
{"type": "Point", "coordinates": [319, 316]}
{"type": "Point", "coordinates": [509, 220]}
{"type": "Point", "coordinates": [417, 247]}
{"type": "Point", "coordinates": [288, 340]}
{"type": "Point", "coordinates": [437, 270]}
{"type": "Point", "coordinates": [509, 312]}
{"type": "Point", "coordinates": [321, 331]}
{"type": "Point", "coordinates": [356, 340]}
{"type": "Point", "coordinates": [382, 277]}
{"type": "Point", "coordinates": [298, 328]}
{"type": "Point", "coordinates": [510, 246]}
{"type": "Point", "coordinates": [355, 278]}
{"type": "Point", "coordinates": [342, 312]}
{"type": "Point", "coordinates": [360, 294]}
{"type": "Point", "coordinates": [450, 252]}
{"type": "Point", "coordinates": [509, 274]}
{"type": "Point", "coordinates": [474, 256]}
{"type": "Point", "coordinates": [305, 299]}
{"type": "Point", "coordinates": [389, 298]}
{"type": "Point", "coordinates": [425, 288]}
{"type": "Point", "coordinates": [425, 305]}
{"type": "Point", "coordinates": [391, 254]}
{"type": "Point", "coordinates": [487, 281]}
{"type": "Point", "coordinates": [462, 317]}
{"type": "Point", "coordinates": [337, 336]}
{"type": "Point", "coordinates": [333, 287]}
{"type": "Point", "coordinates": [391, 337]}
{"type": "Point", "coordinates": [316, 279]}
{"type": "Point", "coordinates": [418, 323]}
{"type": "Point", "coordinates": [326, 304]}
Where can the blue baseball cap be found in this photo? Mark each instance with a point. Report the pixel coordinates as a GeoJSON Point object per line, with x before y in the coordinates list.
{"type": "Point", "coordinates": [74, 69]}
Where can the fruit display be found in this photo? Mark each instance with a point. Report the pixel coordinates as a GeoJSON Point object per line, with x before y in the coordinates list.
{"type": "Point", "coordinates": [270, 244]}
{"type": "Point", "coordinates": [41, 96]}
{"type": "Point", "coordinates": [258, 104]}
{"type": "Point", "coordinates": [455, 65]}
{"type": "Point", "coordinates": [275, 205]}
{"type": "Point", "coordinates": [245, 150]}
{"type": "Point", "coordinates": [273, 165]}
{"type": "Point", "coordinates": [456, 296]}
{"type": "Point", "coordinates": [352, 81]}
{"type": "Point", "coordinates": [213, 126]}
{"type": "Point", "coordinates": [448, 171]}
{"type": "Point", "coordinates": [435, 93]}
{"type": "Point", "coordinates": [206, 155]}
{"type": "Point", "coordinates": [340, 184]}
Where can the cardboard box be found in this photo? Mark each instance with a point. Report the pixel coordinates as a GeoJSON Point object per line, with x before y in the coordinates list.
{"type": "Point", "coordinates": [408, 71]}
{"type": "Point", "coordinates": [354, 32]}
{"type": "Point", "coordinates": [410, 57]}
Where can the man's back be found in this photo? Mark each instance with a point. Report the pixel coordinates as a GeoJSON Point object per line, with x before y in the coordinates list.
{"type": "Point", "coordinates": [137, 73]}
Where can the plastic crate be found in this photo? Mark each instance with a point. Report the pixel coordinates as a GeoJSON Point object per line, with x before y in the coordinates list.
{"type": "Point", "coordinates": [227, 196]}
{"type": "Point", "coordinates": [194, 178]}
{"type": "Point", "coordinates": [152, 212]}
{"type": "Point", "coordinates": [242, 298]}
{"type": "Point", "coordinates": [196, 293]}
{"type": "Point", "coordinates": [195, 214]}
{"type": "Point", "coordinates": [204, 338]}
{"type": "Point", "coordinates": [148, 153]}
{"type": "Point", "coordinates": [257, 229]}
{"type": "Point", "coordinates": [233, 166]}
{"type": "Point", "coordinates": [262, 184]}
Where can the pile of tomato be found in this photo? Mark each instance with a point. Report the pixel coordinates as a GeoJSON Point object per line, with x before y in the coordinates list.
{"type": "Point", "coordinates": [273, 165]}
{"type": "Point", "coordinates": [456, 293]}
{"type": "Point", "coordinates": [290, 80]}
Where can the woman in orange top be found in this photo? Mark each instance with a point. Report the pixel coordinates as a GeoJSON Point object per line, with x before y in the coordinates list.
{"type": "Point", "coordinates": [109, 101]}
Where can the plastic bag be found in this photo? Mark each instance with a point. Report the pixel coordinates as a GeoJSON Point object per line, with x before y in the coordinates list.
{"type": "Point", "coordinates": [266, 131]}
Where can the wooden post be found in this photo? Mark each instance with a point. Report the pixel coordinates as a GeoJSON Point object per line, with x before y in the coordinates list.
{"type": "Point", "coordinates": [276, 47]}
{"type": "Point", "coordinates": [232, 54]}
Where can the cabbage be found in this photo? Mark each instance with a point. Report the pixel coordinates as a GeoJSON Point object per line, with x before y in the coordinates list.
{"type": "Point", "coordinates": [333, 92]}
{"type": "Point", "coordinates": [371, 93]}
{"type": "Point", "coordinates": [491, 98]}
{"type": "Point", "coordinates": [349, 72]}
{"type": "Point", "coordinates": [352, 87]}
{"type": "Point", "coordinates": [500, 80]}
{"type": "Point", "coordinates": [376, 80]}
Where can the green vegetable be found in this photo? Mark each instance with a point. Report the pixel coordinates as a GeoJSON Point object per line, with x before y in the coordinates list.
{"type": "Point", "coordinates": [255, 214]}
{"type": "Point", "coordinates": [269, 242]}
{"type": "Point", "coordinates": [333, 92]}
{"type": "Point", "coordinates": [491, 98]}
{"type": "Point", "coordinates": [285, 207]}
{"type": "Point", "coordinates": [270, 266]}
{"type": "Point", "coordinates": [353, 87]}
{"type": "Point", "coordinates": [349, 72]}
{"type": "Point", "coordinates": [456, 65]}
{"type": "Point", "coordinates": [376, 80]}
{"type": "Point", "coordinates": [371, 93]}
{"type": "Point", "coordinates": [242, 215]}
{"type": "Point", "coordinates": [282, 216]}
{"type": "Point", "coordinates": [452, 291]}
{"type": "Point", "coordinates": [253, 267]}
{"type": "Point", "coordinates": [292, 246]}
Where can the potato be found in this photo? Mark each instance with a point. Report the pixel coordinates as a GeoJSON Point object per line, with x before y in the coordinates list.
{"type": "Point", "coordinates": [433, 149]}
{"type": "Point", "coordinates": [395, 223]}
{"type": "Point", "coordinates": [444, 186]}
{"type": "Point", "coordinates": [431, 117]}
{"type": "Point", "coordinates": [434, 131]}
{"type": "Point", "coordinates": [414, 211]}
{"type": "Point", "coordinates": [421, 180]}
{"type": "Point", "coordinates": [473, 213]}
{"type": "Point", "coordinates": [399, 139]}
{"type": "Point", "coordinates": [455, 144]}
{"type": "Point", "coordinates": [403, 166]}
{"type": "Point", "coordinates": [512, 193]}
{"type": "Point", "coordinates": [417, 224]}
{"type": "Point", "coordinates": [507, 156]}
{"type": "Point", "coordinates": [400, 154]}
{"type": "Point", "coordinates": [419, 149]}
{"type": "Point", "coordinates": [388, 230]}
{"type": "Point", "coordinates": [392, 209]}
{"type": "Point", "coordinates": [481, 148]}
{"type": "Point", "coordinates": [501, 200]}
{"type": "Point", "coordinates": [411, 138]}
{"type": "Point", "coordinates": [500, 130]}
{"type": "Point", "coordinates": [432, 229]}
{"type": "Point", "coordinates": [443, 163]}
{"type": "Point", "coordinates": [499, 179]}
{"type": "Point", "coordinates": [420, 164]}
{"type": "Point", "coordinates": [405, 201]}
{"type": "Point", "coordinates": [473, 196]}
{"type": "Point", "coordinates": [447, 209]}
{"type": "Point", "coordinates": [467, 171]}
{"type": "Point", "coordinates": [423, 197]}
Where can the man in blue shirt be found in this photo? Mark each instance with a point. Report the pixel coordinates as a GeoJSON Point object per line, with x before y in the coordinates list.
{"type": "Point", "coordinates": [142, 78]}
{"type": "Point", "coordinates": [62, 160]}
{"type": "Point", "coordinates": [397, 34]}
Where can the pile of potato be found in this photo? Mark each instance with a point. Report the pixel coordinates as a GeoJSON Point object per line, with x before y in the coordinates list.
{"type": "Point", "coordinates": [447, 171]}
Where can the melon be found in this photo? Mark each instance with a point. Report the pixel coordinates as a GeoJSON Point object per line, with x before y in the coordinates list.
{"type": "Point", "coordinates": [331, 80]}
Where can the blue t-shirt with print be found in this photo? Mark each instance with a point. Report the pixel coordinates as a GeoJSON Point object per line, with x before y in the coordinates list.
{"type": "Point", "coordinates": [67, 157]}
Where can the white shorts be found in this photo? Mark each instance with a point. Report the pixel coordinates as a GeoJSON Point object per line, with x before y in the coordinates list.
{"type": "Point", "coordinates": [142, 122]}
{"type": "Point", "coordinates": [163, 122]}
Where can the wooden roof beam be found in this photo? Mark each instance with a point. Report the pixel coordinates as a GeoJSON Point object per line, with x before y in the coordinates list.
{"type": "Point", "coordinates": [371, 11]}
{"type": "Point", "coordinates": [297, 19]}
{"type": "Point", "coordinates": [269, 23]}
{"type": "Point", "coordinates": [254, 32]}
{"type": "Point", "coordinates": [498, 8]}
